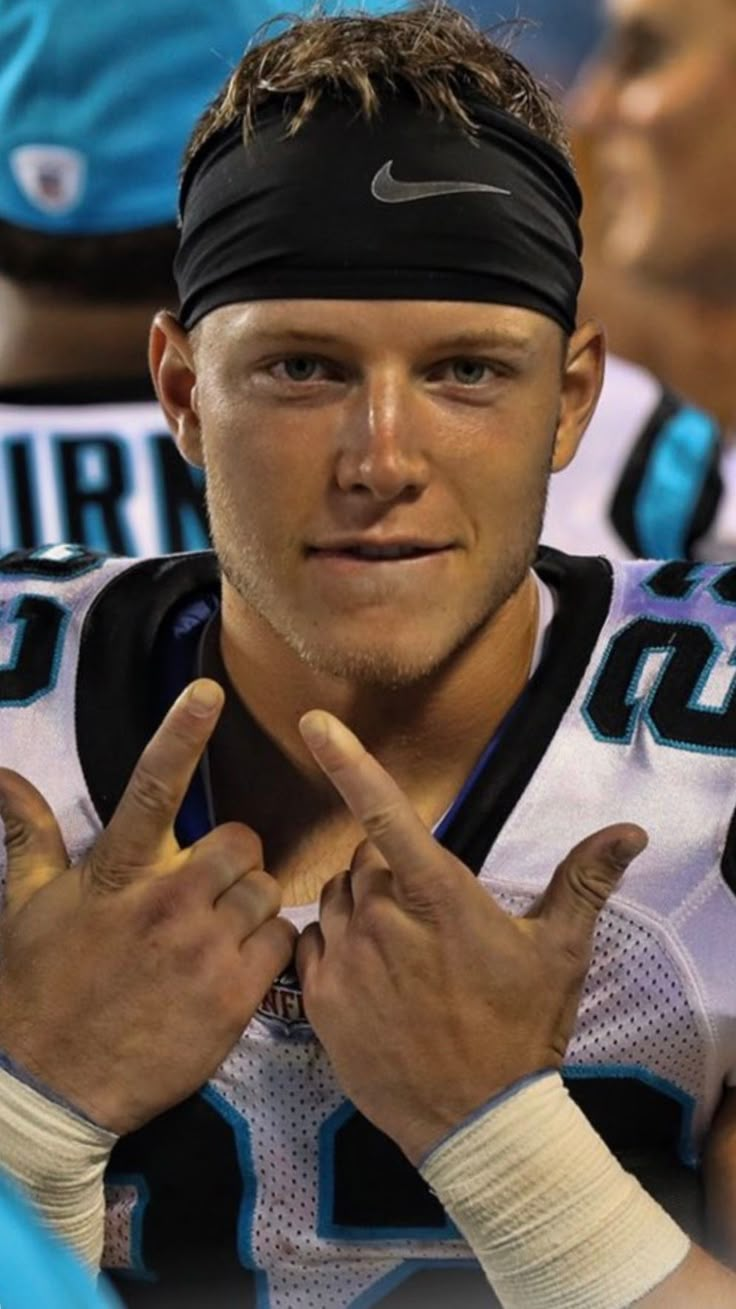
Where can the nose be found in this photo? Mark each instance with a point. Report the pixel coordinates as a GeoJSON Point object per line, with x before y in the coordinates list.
{"type": "Point", "coordinates": [380, 451]}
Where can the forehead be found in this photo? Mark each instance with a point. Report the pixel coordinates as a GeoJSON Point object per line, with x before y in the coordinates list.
{"type": "Point", "coordinates": [401, 325]}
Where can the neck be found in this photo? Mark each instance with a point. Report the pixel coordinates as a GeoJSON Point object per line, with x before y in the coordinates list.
{"type": "Point", "coordinates": [686, 339]}
{"type": "Point", "coordinates": [47, 339]}
{"type": "Point", "coordinates": [429, 734]}
{"type": "Point", "coordinates": [699, 359]}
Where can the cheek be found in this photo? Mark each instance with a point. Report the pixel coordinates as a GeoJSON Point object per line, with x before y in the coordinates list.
{"type": "Point", "coordinates": [505, 486]}
{"type": "Point", "coordinates": [266, 481]}
{"type": "Point", "coordinates": [674, 111]}
{"type": "Point", "coordinates": [672, 153]}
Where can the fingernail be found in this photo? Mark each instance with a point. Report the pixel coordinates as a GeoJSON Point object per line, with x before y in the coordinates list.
{"type": "Point", "coordinates": [626, 849]}
{"type": "Point", "coordinates": [204, 697]}
{"type": "Point", "coordinates": [314, 729]}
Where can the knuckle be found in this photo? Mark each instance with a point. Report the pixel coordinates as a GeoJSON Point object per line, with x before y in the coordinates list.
{"type": "Point", "coordinates": [199, 953]}
{"type": "Point", "coordinates": [192, 957]}
{"type": "Point", "coordinates": [263, 892]}
{"type": "Point", "coordinates": [380, 819]}
{"type": "Point", "coordinates": [24, 833]}
{"type": "Point", "coordinates": [440, 893]}
{"type": "Point", "coordinates": [209, 966]}
{"type": "Point", "coordinates": [280, 931]}
{"type": "Point", "coordinates": [103, 874]}
{"type": "Point", "coordinates": [239, 845]}
{"type": "Point", "coordinates": [371, 921]}
{"type": "Point", "coordinates": [149, 791]}
{"type": "Point", "coordinates": [164, 902]}
{"type": "Point", "coordinates": [590, 884]}
{"type": "Point", "coordinates": [254, 897]}
{"type": "Point", "coordinates": [18, 834]}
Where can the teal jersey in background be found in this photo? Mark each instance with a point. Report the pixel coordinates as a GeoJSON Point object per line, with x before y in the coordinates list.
{"type": "Point", "coordinates": [36, 1270]}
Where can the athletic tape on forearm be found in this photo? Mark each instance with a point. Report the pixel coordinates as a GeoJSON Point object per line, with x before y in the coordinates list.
{"type": "Point", "coordinates": [59, 1161]}
{"type": "Point", "coordinates": [551, 1215]}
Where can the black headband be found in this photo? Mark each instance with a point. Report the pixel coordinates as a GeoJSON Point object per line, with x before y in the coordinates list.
{"type": "Point", "coordinates": [402, 206]}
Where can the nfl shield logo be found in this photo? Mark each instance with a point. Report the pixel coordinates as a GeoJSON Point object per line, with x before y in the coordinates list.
{"type": "Point", "coordinates": [51, 177]}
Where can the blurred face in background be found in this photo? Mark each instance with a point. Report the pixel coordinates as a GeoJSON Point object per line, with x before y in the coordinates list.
{"type": "Point", "coordinates": [658, 106]}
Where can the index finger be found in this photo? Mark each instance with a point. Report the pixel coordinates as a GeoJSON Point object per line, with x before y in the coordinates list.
{"type": "Point", "coordinates": [372, 796]}
{"type": "Point", "coordinates": [144, 818]}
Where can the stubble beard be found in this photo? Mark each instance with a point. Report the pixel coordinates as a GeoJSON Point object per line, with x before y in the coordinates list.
{"type": "Point", "coordinates": [250, 572]}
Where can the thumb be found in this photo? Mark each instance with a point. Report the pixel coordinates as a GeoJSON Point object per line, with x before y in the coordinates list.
{"type": "Point", "coordinates": [586, 878]}
{"type": "Point", "coordinates": [35, 850]}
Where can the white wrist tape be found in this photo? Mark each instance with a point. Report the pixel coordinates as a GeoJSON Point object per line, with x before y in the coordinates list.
{"type": "Point", "coordinates": [551, 1215]}
{"type": "Point", "coordinates": [59, 1160]}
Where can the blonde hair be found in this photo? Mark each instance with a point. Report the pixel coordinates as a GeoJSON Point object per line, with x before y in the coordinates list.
{"type": "Point", "coordinates": [430, 49]}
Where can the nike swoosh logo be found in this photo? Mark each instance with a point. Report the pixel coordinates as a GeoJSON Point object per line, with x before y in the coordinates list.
{"type": "Point", "coordinates": [390, 191]}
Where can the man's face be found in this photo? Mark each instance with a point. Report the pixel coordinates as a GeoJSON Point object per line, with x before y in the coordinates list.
{"type": "Point", "coordinates": [376, 471]}
{"type": "Point", "coordinates": [659, 105]}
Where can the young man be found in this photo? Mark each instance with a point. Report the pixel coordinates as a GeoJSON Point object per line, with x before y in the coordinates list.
{"type": "Point", "coordinates": [377, 362]}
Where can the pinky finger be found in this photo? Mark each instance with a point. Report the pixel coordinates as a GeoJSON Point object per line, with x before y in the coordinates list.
{"type": "Point", "coordinates": [265, 954]}
{"type": "Point", "coordinates": [309, 951]}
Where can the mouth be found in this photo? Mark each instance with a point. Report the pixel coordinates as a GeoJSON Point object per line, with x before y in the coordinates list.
{"type": "Point", "coordinates": [378, 554]}
{"type": "Point", "coordinates": [347, 553]}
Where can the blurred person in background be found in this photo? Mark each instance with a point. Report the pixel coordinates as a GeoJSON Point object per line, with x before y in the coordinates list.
{"type": "Point", "coordinates": [96, 102]}
{"type": "Point", "coordinates": [655, 110]}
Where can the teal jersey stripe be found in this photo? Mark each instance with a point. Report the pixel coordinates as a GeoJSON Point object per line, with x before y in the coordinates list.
{"type": "Point", "coordinates": [673, 482]}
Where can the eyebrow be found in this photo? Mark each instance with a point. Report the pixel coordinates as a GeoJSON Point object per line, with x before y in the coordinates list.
{"type": "Point", "coordinates": [281, 334]}
{"type": "Point", "coordinates": [462, 341]}
{"type": "Point", "coordinates": [484, 341]}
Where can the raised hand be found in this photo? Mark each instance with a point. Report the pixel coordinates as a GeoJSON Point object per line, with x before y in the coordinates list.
{"type": "Point", "coordinates": [428, 998]}
{"type": "Point", "coordinates": [124, 981]}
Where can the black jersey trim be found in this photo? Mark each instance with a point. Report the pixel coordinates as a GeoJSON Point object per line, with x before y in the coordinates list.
{"type": "Point", "coordinates": [80, 391]}
{"type": "Point", "coordinates": [583, 588]}
{"type": "Point", "coordinates": [127, 623]}
{"type": "Point", "coordinates": [118, 691]}
{"type": "Point", "coordinates": [728, 858]}
{"type": "Point", "coordinates": [622, 509]}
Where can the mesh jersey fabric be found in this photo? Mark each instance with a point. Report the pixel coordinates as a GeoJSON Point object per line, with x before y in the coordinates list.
{"type": "Point", "coordinates": [303, 1202]}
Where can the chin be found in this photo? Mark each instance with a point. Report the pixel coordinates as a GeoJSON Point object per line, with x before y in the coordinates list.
{"type": "Point", "coordinates": [376, 667]}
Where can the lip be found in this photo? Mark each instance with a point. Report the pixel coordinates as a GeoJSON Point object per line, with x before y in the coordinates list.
{"type": "Point", "coordinates": [346, 546]}
{"type": "Point", "coordinates": [339, 562]}
{"type": "Point", "coordinates": [338, 567]}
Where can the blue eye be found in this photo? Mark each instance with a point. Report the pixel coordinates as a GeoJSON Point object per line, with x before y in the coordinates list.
{"type": "Point", "coordinates": [469, 372]}
{"type": "Point", "coordinates": [300, 368]}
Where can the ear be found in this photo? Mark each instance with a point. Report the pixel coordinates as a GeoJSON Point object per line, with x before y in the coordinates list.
{"type": "Point", "coordinates": [171, 361]}
{"type": "Point", "coordinates": [582, 379]}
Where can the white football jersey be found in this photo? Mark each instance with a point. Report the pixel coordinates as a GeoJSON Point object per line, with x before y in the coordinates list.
{"type": "Point", "coordinates": [84, 463]}
{"type": "Point", "coordinates": [652, 478]}
{"type": "Point", "coordinates": [268, 1188]}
